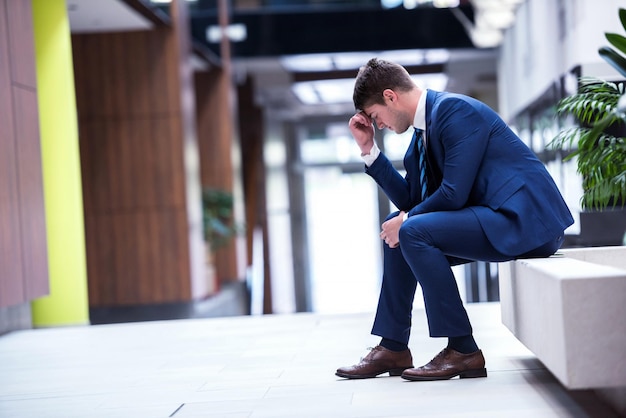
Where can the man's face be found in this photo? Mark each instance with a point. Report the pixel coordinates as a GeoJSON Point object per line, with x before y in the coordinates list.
{"type": "Point", "coordinates": [389, 116]}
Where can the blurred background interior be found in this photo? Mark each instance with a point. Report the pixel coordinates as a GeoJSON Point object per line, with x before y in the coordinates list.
{"type": "Point", "coordinates": [192, 158]}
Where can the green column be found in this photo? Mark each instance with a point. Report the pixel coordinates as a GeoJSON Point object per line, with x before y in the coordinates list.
{"type": "Point", "coordinates": [67, 303]}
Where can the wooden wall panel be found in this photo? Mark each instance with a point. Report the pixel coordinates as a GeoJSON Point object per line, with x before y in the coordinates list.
{"type": "Point", "coordinates": [132, 164]}
{"type": "Point", "coordinates": [215, 135]}
{"type": "Point", "coordinates": [21, 42]}
{"type": "Point", "coordinates": [11, 276]}
{"type": "Point", "coordinates": [31, 199]}
{"type": "Point", "coordinates": [99, 257]}
{"type": "Point", "coordinates": [215, 128]}
{"type": "Point", "coordinates": [125, 74]}
{"type": "Point", "coordinates": [253, 168]}
{"type": "Point", "coordinates": [23, 251]}
{"type": "Point", "coordinates": [132, 143]}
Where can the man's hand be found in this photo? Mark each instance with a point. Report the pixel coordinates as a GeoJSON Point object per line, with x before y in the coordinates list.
{"type": "Point", "coordinates": [391, 229]}
{"type": "Point", "coordinates": [362, 130]}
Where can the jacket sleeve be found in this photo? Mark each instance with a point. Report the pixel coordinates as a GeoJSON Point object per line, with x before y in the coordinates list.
{"type": "Point", "coordinates": [462, 133]}
{"type": "Point", "coordinates": [391, 181]}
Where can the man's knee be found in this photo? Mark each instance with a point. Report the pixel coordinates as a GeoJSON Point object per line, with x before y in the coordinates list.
{"type": "Point", "coordinates": [413, 230]}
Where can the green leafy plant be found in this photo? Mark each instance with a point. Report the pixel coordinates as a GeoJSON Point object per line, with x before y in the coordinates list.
{"type": "Point", "coordinates": [598, 106]}
{"type": "Point", "coordinates": [601, 157]}
{"type": "Point", "coordinates": [217, 214]}
{"type": "Point", "coordinates": [618, 41]}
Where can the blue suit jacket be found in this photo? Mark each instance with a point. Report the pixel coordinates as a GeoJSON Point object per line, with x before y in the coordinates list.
{"type": "Point", "coordinates": [475, 161]}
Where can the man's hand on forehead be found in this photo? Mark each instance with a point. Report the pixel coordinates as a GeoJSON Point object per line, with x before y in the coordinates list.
{"type": "Point", "coordinates": [362, 118]}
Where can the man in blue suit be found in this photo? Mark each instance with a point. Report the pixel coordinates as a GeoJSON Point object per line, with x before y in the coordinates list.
{"type": "Point", "coordinates": [477, 193]}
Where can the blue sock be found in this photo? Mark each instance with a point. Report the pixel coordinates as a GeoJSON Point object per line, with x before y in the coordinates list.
{"type": "Point", "coordinates": [393, 345]}
{"type": "Point", "coordinates": [464, 344]}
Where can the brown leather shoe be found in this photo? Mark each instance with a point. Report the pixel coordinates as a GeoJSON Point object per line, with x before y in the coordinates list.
{"type": "Point", "coordinates": [448, 364]}
{"type": "Point", "coordinates": [378, 361]}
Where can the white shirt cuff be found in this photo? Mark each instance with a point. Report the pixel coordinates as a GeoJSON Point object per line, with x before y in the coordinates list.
{"type": "Point", "coordinates": [405, 217]}
{"type": "Point", "coordinates": [371, 157]}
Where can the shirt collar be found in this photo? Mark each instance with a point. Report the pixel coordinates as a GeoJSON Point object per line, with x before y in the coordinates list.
{"type": "Point", "coordinates": [419, 121]}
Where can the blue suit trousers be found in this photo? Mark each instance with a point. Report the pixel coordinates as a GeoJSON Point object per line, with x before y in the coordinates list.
{"type": "Point", "coordinates": [430, 244]}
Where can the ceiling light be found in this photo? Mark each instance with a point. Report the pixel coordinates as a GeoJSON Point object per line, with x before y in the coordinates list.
{"type": "Point", "coordinates": [497, 18]}
{"type": "Point", "coordinates": [410, 4]}
{"type": "Point", "coordinates": [307, 62]}
{"type": "Point", "coordinates": [167, 1]}
{"type": "Point", "coordinates": [324, 91]}
{"type": "Point", "coordinates": [489, 38]}
{"type": "Point", "coordinates": [339, 91]}
{"type": "Point", "coordinates": [491, 18]}
{"type": "Point", "coordinates": [354, 60]}
{"type": "Point", "coordinates": [446, 4]}
{"type": "Point", "coordinates": [390, 4]}
{"type": "Point", "coordinates": [236, 32]}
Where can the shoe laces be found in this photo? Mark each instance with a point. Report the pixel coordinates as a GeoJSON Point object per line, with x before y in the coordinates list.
{"type": "Point", "coordinates": [369, 350]}
{"type": "Point", "coordinates": [441, 354]}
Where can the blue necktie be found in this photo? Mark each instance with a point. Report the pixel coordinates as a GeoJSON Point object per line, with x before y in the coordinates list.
{"type": "Point", "coordinates": [419, 142]}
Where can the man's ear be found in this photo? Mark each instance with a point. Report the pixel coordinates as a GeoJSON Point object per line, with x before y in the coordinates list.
{"type": "Point", "coordinates": [389, 95]}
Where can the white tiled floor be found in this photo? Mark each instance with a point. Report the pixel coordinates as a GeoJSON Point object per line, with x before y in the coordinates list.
{"type": "Point", "coordinates": [265, 366]}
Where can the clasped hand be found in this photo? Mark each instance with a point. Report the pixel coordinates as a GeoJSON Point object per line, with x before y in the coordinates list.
{"type": "Point", "coordinates": [391, 229]}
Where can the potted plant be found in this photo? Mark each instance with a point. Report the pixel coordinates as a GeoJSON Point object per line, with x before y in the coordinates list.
{"type": "Point", "coordinates": [217, 216]}
{"type": "Point", "coordinates": [599, 145]}
{"type": "Point", "coordinates": [600, 151]}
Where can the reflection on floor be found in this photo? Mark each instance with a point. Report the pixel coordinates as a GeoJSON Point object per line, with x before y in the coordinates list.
{"type": "Point", "coordinates": [265, 366]}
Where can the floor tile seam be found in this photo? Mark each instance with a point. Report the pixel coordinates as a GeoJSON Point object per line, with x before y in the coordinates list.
{"type": "Point", "coordinates": [63, 395]}
{"type": "Point", "coordinates": [244, 406]}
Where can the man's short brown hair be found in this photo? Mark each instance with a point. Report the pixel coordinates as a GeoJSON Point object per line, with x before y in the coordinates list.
{"type": "Point", "coordinates": [375, 77]}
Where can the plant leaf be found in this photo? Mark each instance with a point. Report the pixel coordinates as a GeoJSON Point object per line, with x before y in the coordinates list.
{"type": "Point", "coordinates": [616, 60]}
{"type": "Point", "coordinates": [618, 41]}
{"type": "Point", "coordinates": [622, 17]}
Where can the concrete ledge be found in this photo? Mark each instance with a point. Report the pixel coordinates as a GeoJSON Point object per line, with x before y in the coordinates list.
{"type": "Point", "coordinates": [570, 311]}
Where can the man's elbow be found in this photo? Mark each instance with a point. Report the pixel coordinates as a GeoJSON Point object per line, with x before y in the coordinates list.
{"type": "Point", "coordinates": [455, 200]}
